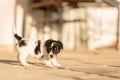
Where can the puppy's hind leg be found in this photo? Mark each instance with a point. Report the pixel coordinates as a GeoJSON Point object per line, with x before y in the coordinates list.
{"type": "Point", "coordinates": [22, 59]}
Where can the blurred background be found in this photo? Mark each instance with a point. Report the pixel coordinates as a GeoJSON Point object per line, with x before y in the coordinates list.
{"type": "Point", "coordinates": [79, 24]}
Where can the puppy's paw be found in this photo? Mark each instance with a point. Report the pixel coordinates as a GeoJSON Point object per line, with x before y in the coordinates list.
{"type": "Point", "coordinates": [48, 63]}
{"type": "Point", "coordinates": [57, 65]}
{"type": "Point", "coordinates": [26, 65]}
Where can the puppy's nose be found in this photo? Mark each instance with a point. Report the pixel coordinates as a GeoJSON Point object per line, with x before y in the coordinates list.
{"type": "Point", "coordinates": [51, 56]}
{"type": "Point", "coordinates": [42, 56]}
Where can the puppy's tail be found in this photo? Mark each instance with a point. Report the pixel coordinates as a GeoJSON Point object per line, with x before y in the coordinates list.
{"type": "Point", "coordinates": [15, 33]}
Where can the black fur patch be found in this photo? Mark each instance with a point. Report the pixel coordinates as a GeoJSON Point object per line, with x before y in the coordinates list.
{"type": "Point", "coordinates": [22, 43]}
{"type": "Point", "coordinates": [37, 48]}
{"type": "Point", "coordinates": [17, 37]}
{"type": "Point", "coordinates": [60, 44]}
{"type": "Point", "coordinates": [48, 45]}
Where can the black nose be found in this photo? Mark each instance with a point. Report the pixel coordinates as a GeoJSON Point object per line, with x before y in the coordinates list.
{"type": "Point", "coordinates": [51, 56]}
{"type": "Point", "coordinates": [42, 56]}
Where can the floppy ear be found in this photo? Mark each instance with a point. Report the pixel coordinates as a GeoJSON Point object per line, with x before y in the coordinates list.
{"type": "Point", "coordinates": [60, 44]}
{"type": "Point", "coordinates": [48, 45]}
{"type": "Point", "coordinates": [48, 42]}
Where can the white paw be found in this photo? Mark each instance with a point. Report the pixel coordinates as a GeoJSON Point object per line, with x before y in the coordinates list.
{"type": "Point", "coordinates": [26, 65]}
{"type": "Point", "coordinates": [57, 65]}
{"type": "Point", "coordinates": [48, 63]}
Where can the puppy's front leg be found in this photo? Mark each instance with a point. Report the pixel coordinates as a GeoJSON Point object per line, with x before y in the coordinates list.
{"type": "Point", "coordinates": [47, 60]}
{"type": "Point", "coordinates": [54, 61]}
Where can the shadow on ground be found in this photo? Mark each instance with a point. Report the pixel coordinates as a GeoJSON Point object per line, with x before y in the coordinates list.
{"type": "Point", "coordinates": [15, 62]}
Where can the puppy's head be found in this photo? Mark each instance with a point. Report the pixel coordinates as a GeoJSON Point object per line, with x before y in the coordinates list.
{"type": "Point", "coordinates": [53, 46]}
{"type": "Point", "coordinates": [56, 47]}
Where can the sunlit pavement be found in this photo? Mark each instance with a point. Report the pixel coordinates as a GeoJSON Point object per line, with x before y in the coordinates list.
{"type": "Point", "coordinates": [77, 65]}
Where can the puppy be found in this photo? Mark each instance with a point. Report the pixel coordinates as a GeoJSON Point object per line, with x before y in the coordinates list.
{"type": "Point", "coordinates": [47, 50]}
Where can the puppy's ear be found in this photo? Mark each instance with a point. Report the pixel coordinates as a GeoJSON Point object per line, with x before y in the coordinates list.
{"type": "Point", "coordinates": [48, 42]}
{"type": "Point", "coordinates": [60, 44]}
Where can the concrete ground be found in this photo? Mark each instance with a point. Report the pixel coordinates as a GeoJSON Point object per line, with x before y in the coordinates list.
{"type": "Point", "coordinates": [77, 65]}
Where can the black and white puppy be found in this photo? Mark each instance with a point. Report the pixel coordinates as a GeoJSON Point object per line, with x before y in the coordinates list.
{"type": "Point", "coordinates": [47, 50]}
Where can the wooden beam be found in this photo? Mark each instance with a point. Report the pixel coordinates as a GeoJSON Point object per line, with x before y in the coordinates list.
{"type": "Point", "coordinates": [56, 3]}
{"type": "Point", "coordinates": [79, 0]}
{"type": "Point", "coordinates": [46, 3]}
{"type": "Point", "coordinates": [118, 26]}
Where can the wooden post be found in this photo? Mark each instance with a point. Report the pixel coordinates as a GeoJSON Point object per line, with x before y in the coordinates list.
{"type": "Point", "coordinates": [118, 24]}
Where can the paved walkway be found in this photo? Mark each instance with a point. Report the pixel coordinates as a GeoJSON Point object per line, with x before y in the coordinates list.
{"type": "Point", "coordinates": [77, 65]}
